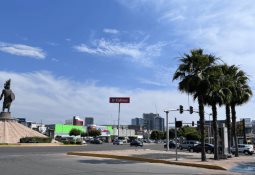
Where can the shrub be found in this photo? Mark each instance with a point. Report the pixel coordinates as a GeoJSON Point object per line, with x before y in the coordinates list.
{"type": "Point", "coordinates": [35, 140]}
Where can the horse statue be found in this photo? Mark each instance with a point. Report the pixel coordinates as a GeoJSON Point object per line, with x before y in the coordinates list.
{"type": "Point", "coordinates": [8, 95]}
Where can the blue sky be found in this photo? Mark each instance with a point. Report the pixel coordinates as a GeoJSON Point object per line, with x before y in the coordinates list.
{"type": "Point", "coordinates": [67, 58]}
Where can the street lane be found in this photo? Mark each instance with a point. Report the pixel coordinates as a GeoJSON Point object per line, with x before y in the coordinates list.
{"type": "Point", "coordinates": [61, 164]}
{"type": "Point", "coordinates": [63, 149]}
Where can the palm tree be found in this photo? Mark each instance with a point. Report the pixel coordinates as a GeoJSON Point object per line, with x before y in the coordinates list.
{"type": "Point", "coordinates": [217, 94]}
{"type": "Point", "coordinates": [193, 76]}
{"type": "Point", "coordinates": [241, 94]}
{"type": "Point", "coordinates": [228, 82]}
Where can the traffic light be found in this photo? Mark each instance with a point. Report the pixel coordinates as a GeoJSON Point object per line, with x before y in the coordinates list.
{"type": "Point", "coordinates": [181, 109]}
{"type": "Point", "coordinates": [193, 124]}
{"type": "Point", "coordinates": [191, 109]}
{"type": "Point", "coordinates": [178, 124]}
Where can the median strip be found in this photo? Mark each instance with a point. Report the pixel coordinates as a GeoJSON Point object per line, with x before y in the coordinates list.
{"type": "Point", "coordinates": [215, 167]}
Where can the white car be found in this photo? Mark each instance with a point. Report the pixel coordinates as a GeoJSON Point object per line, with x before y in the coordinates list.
{"type": "Point", "coordinates": [117, 142]}
{"type": "Point", "coordinates": [243, 148]}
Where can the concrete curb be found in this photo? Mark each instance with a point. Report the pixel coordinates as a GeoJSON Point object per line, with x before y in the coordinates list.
{"type": "Point", "coordinates": [214, 167]}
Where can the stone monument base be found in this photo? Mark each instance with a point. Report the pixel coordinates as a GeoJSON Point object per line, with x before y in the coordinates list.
{"type": "Point", "coordinates": [5, 116]}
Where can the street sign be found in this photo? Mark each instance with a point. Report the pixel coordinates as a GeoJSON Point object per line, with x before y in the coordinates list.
{"type": "Point", "coordinates": [178, 124]}
{"type": "Point", "coordinates": [119, 100]}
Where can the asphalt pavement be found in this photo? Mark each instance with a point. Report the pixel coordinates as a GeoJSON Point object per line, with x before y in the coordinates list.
{"type": "Point", "coordinates": [61, 164]}
{"type": "Point", "coordinates": [53, 160]}
{"type": "Point", "coordinates": [19, 150]}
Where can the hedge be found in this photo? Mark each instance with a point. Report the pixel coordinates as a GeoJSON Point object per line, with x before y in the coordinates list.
{"type": "Point", "coordinates": [35, 140]}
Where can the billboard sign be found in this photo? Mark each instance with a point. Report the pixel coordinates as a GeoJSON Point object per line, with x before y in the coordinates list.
{"type": "Point", "coordinates": [119, 100]}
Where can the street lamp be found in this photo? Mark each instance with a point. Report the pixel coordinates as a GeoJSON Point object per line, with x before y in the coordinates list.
{"type": "Point", "coordinates": [167, 128]}
{"type": "Point", "coordinates": [209, 127]}
{"type": "Point", "coordinates": [167, 131]}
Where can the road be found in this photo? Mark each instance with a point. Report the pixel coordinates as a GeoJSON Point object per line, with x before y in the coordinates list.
{"type": "Point", "coordinates": [61, 164]}
{"type": "Point", "coordinates": [64, 149]}
{"type": "Point", "coordinates": [54, 161]}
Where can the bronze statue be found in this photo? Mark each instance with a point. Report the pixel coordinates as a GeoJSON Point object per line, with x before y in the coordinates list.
{"type": "Point", "coordinates": [8, 95]}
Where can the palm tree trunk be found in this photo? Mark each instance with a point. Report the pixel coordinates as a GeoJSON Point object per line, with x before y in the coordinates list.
{"type": "Point", "coordinates": [202, 125]}
{"type": "Point", "coordinates": [233, 111]}
{"type": "Point", "coordinates": [215, 128]}
{"type": "Point", "coordinates": [228, 123]}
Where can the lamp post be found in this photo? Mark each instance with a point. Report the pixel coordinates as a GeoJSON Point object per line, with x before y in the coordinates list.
{"type": "Point", "coordinates": [167, 131]}
{"type": "Point", "coordinates": [209, 129]}
{"type": "Point", "coordinates": [167, 128]}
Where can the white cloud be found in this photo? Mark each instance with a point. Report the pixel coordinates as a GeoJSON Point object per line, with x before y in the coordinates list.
{"type": "Point", "coordinates": [42, 96]}
{"type": "Point", "coordinates": [138, 52]}
{"type": "Point", "coordinates": [223, 28]}
{"type": "Point", "coordinates": [111, 31]}
{"type": "Point", "coordinates": [151, 82]}
{"type": "Point", "coordinates": [22, 50]}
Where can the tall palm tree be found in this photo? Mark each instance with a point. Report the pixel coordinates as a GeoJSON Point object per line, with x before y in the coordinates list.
{"type": "Point", "coordinates": [228, 82]}
{"type": "Point", "coordinates": [217, 94]}
{"type": "Point", "coordinates": [193, 76]}
{"type": "Point", "coordinates": [241, 94]}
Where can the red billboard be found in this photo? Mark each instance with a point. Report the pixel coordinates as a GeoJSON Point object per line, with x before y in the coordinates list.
{"type": "Point", "coordinates": [119, 100]}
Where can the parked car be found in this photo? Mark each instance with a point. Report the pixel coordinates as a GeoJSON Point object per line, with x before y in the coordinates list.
{"type": "Point", "coordinates": [96, 141]}
{"type": "Point", "coordinates": [136, 143]}
{"type": "Point", "coordinates": [243, 148]}
{"type": "Point", "coordinates": [172, 144]}
{"type": "Point", "coordinates": [148, 141]}
{"type": "Point", "coordinates": [117, 142]}
{"type": "Point", "coordinates": [188, 144]}
{"type": "Point", "coordinates": [209, 148]}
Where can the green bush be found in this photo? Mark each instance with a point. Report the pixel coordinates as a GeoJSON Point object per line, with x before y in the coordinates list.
{"type": "Point", "coordinates": [35, 140]}
{"type": "Point", "coordinates": [75, 132]}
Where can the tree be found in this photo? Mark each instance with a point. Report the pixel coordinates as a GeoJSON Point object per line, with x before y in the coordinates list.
{"type": "Point", "coordinates": [171, 134]}
{"type": "Point", "coordinates": [94, 133]}
{"type": "Point", "coordinates": [217, 94]}
{"type": "Point", "coordinates": [241, 93]}
{"type": "Point", "coordinates": [156, 135]}
{"type": "Point", "coordinates": [228, 82]}
{"type": "Point", "coordinates": [193, 75]}
{"type": "Point", "coordinates": [75, 132]}
{"type": "Point", "coordinates": [84, 134]}
{"type": "Point", "coordinates": [190, 133]}
{"type": "Point", "coordinates": [193, 136]}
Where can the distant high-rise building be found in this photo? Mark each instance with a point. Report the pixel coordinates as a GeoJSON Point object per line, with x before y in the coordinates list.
{"type": "Point", "coordinates": [89, 121]}
{"type": "Point", "coordinates": [153, 122]}
{"type": "Point", "coordinates": [159, 124]}
{"type": "Point", "coordinates": [137, 121]}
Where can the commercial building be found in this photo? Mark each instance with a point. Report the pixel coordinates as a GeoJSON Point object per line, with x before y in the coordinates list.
{"type": "Point", "coordinates": [62, 130]}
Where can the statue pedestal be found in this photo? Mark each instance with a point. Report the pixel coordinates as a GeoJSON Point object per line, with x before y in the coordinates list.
{"type": "Point", "coordinates": [5, 116]}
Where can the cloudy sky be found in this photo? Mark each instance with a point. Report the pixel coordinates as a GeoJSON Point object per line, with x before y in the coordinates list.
{"type": "Point", "coordinates": [67, 58]}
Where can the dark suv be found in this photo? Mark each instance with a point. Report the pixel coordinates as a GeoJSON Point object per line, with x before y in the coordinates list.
{"type": "Point", "coordinates": [136, 143]}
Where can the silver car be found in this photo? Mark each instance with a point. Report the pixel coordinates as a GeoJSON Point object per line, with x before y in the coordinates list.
{"type": "Point", "coordinates": [117, 142]}
{"type": "Point", "coordinates": [243, 148]}
{"type": "Point", "coordinates": [188, 144]}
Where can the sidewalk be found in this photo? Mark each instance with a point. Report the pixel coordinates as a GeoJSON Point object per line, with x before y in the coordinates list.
{"type": "Point", "coordinates": [184, 158]}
